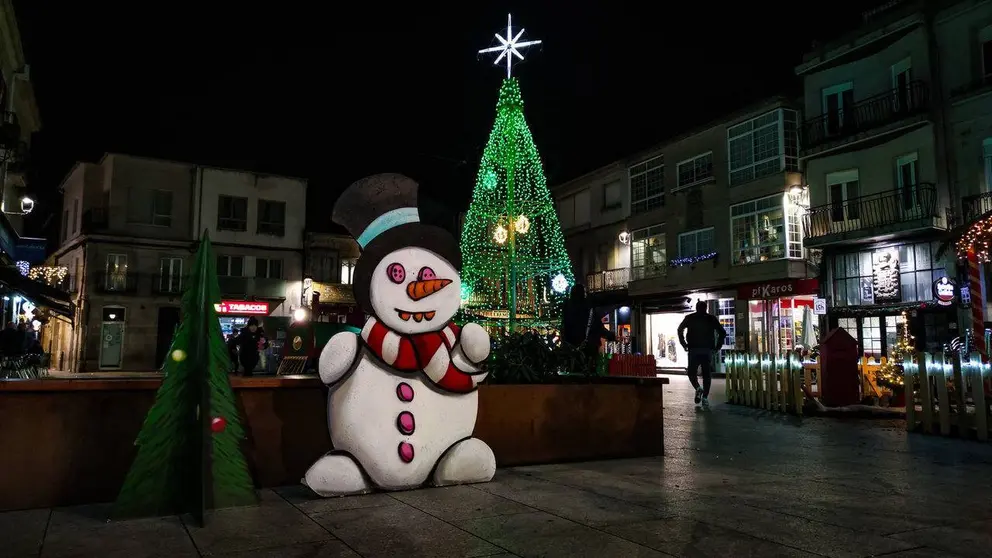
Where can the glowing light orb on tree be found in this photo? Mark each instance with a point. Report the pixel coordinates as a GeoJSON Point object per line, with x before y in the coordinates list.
{"type": "Point", "coordinates": [516, 270]}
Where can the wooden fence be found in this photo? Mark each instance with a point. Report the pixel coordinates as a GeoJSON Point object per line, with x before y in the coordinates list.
{"type": "Point", "coordinates": [950, 392]}
{"type": "Point", "coordinates": [765, 382]}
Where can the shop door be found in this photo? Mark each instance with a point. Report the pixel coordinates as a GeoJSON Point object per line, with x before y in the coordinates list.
{"type": "Point", "coordinates": [168, 321]}
{"type": "Point", "coordinates": [112, 338]}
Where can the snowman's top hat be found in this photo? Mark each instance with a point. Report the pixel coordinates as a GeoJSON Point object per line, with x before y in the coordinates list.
{"type": "Point", "coordinates": [376, 204]}
{"type": "Point", "coordinates": [380, 211]}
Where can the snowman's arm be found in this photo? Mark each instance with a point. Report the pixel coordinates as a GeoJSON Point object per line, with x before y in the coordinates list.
{"type": "Point", "coordinates": [338, 357]}
{"type": "Point", "coordinates": [463, 364]}
{"type": "Point", "coordinates": [474, 343]}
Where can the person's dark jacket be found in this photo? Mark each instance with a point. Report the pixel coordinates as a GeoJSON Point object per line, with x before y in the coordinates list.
{"type": "Point", "coordinates": [248, 343]}
{"type": "Point", "coordinates": [703, 329]}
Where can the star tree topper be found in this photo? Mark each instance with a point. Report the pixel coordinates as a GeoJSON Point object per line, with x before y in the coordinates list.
{"type": "Point", "coordinates": [509, 45]}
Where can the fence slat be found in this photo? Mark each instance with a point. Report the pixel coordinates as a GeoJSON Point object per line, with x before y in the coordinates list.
{"type": "Point", "coordinates": [943, 402]}
{"type": "Point", "coordinates": [910, 370]}
{"type": "Point", "coordinates": [795, 372]}
{"type": "Point", "coordinates": [926, 397]}
{"type": "Point", "coordinates": [978, 396]}
{"type": "Point", "coordinates": [959, 397]}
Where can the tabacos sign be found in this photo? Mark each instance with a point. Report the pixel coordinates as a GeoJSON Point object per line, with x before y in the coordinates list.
{"type": "Point", "coordinates": [944, 291]}
{"type": "Point", "coordinates": [242, 307]}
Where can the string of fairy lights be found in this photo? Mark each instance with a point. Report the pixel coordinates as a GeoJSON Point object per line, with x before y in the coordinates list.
{"type": "Point", "coordinates": [977, 238]}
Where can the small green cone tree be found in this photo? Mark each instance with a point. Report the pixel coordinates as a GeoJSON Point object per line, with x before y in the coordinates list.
{"type": "Point", "coordinates": [515, 270]}
{"type": "Point", "coordinates": [189, 449]}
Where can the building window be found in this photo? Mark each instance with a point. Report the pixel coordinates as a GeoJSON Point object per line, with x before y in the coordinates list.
{"type": "Point", "coordinates": [347, 271]}
{"type": "Point", "coordinates": [837, 106]}
{"type": "Point", "coordinates": [727, 316]}
{"type": "Point", "coordinates": [266, 268]}
{"type": "Point", "coordinates": [647, 185]}
{"type": "Point", "coordinates": [844, 191]}
{"type": "Point", "coordinates": [149, 207]}
{"type": "Point", "coordinates": [763, 146]}
{"type": "Point", "coordinates": [271, 217]}
{"type": "Point", "coordinates": [648, 253]}
{"type": "Point", "coordinates": [230, 266]}
{"type": "Point", "coordinates": [574, 211]}
{"type": "Point", "coordinates": [324, 268]}
{"type": "Point", "coordinates": [757, 230]}
{"type": "Point", "coordinates": [613, 195]}
{"type": "Point", "coordinates": [65, 225]}
{"type": "Point", "coordinates": [232, 213]}
{"type": "Point", "coordinates": [985, 42]}
{"type": "Point", "coordinates": [75, 216]}
{"type": "Point", "coordinates": [116, 272]}
{"type": "Point", "coordinates": [696, 243]}
{"type": "Point", "coordinates": [853, 275]}
{"type": "Point", "coordinates": [696, 170]}
{"type": "Point", "coordinates": [170, 275]}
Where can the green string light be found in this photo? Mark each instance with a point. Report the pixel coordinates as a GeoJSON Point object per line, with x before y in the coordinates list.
{"type": "Point", "coordinates": [533, 251]}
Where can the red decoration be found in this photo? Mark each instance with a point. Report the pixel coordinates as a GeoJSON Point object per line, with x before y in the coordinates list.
{"type": "Point", "coordinates": [217, 425]}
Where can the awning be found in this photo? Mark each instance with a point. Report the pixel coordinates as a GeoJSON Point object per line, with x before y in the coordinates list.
{"type": "Point", "coordinates": [56, 300]}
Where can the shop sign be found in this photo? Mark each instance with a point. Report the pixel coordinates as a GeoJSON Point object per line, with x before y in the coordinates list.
{"type": "Point", "coordinates": [885, 276]}
{"type": "Point", "coordinates": [965, 295]}
{"type": "Point", "coordinates": [819, 306]}
{"type": "Point", "coordinates": [778, 289]}
{"type": "Point", "coordinates": [242, 307]}
{"type": "Point", "coordinates": [944, 290]}
{"type": "Point", "coordinates": [867, 291]}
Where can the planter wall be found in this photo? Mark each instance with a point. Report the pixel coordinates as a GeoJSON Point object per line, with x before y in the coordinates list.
{"type": "Point", "coordinates": [67, 442]}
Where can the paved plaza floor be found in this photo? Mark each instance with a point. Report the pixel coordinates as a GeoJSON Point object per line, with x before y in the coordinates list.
{"type": "Point", "coordinates": [735, 483]}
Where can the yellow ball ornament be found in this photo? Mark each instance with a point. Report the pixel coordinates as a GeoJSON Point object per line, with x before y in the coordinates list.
{"type": "Point", "coordinates": [179, 355]}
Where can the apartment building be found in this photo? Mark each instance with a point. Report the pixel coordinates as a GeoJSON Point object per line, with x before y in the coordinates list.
{"type": "Point", "coordinates": [713, 215]}
{"type": "Point", "coordinates": [20, 120]}
{"type": "Point", "coordinates": [877, 162]}
{"type": "Point", "coordinates": [129, 228]}
{"type": "Point", "coordinates": [963, 33]}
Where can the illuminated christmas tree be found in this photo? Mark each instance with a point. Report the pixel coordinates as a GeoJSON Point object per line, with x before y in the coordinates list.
{"type": "Point", "coordinates": [515, 267]}
{"type": "Point", "coordinates": [189, 455]}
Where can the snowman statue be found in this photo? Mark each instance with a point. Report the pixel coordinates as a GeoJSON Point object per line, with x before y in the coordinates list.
{"type": "Point", "coordinates": [402, 398]}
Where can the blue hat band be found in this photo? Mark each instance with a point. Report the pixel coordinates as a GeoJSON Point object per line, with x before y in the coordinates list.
{"type": "Point", "coordinates": [386, 221]}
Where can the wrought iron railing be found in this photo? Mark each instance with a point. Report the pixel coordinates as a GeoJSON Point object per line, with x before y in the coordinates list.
{"type": "Point", "coordinates": [865, 213]}
{"type": "Point", "coordinates": [169, 283]}
{"type": "Point", "coordinates": [882, 109]}
{"type": "Point", "coordinates": [609, 280]}
{"type": "Point", "coordinates": [117, 282]}
{"type": "Point", "coordinates": [973, 207]}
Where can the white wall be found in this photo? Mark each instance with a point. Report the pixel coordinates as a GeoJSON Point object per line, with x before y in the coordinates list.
{"type": "Point", "coordinates": [212, 183]}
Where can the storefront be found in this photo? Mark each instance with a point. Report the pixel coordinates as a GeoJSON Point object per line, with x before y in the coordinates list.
{"type": "Point", "coordinates": [234, 315]}
{"type": "Point", "coordinates": [876, 293]}
{"type": "Point", "coordinates": [779, 316]}
{"type": "Point", "coordinates": [617, 321]}
{"type": "Point", "coordinates": [662, 320]}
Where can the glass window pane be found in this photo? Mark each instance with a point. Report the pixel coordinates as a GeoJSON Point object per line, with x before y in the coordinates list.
{"type": "Point", "coordinates": [907, 287]}
{"type": "Point", "coordinates": [923, 256]}
{"type": "Point", "coordinates": [866, 270]}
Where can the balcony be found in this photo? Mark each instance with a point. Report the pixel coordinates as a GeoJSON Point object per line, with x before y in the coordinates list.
{"type": "Point", "coordinates": [975, 87]}
{"type": "Point", "coordinates": [609, 280]}
{"type": "Point", "coordinates": [974, 207]}
{"type": "Point", "coordinates": [117, 282]}
{"type": "Point", "coordinates": [169, 284]}
{"type": "Point", "coordinates": [884, 214]}
{"type": "Point", "coordinates": [875, 112]}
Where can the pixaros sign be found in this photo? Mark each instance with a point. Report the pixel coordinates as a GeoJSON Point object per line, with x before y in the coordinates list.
{"type": "Point", "coordinates": [242, 307]}
{"type": "Point", "coordinates": [777, 289]}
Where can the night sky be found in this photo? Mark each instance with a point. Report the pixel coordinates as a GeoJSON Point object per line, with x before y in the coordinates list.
{"type": "Point", "coordinates": [333, 95]}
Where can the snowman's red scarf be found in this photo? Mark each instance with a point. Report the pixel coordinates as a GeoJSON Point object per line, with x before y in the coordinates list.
{"type": "Point", "coordinates": [430, 352]}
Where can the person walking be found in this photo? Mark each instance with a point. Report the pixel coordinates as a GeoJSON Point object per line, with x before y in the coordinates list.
{"type": "Point", "coordinates": [706, 335]}
{"type": "Point", "coordinates": [250, 341]}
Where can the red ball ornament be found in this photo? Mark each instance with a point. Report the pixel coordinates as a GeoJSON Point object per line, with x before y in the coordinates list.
{"type": "Point", "coordinates": [217, 425]}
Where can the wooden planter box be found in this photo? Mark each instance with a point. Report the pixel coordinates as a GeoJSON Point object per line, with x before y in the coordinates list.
{"type": "Point", "coordinates": [67, 442]}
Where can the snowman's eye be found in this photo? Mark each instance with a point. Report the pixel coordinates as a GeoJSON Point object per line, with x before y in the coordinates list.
{"type": "Point", "coordinates": [396, 273]}
{"type": "Point", "coordinates": [426, 274]}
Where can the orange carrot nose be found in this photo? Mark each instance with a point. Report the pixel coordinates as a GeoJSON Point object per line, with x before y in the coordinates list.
{"type": "Point", "coordinates": [421, 289]}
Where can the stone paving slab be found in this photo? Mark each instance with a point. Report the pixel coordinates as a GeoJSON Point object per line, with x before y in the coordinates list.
{"type": "Point", "coordinates": [734, 482]}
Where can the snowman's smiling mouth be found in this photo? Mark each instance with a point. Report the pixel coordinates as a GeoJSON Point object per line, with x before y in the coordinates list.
{"type": "Point", "coordinates": [417, 316]}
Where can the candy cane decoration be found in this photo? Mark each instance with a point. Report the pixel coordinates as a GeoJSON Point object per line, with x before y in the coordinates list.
{"type": "Point", "coordinates": [977, 303]}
